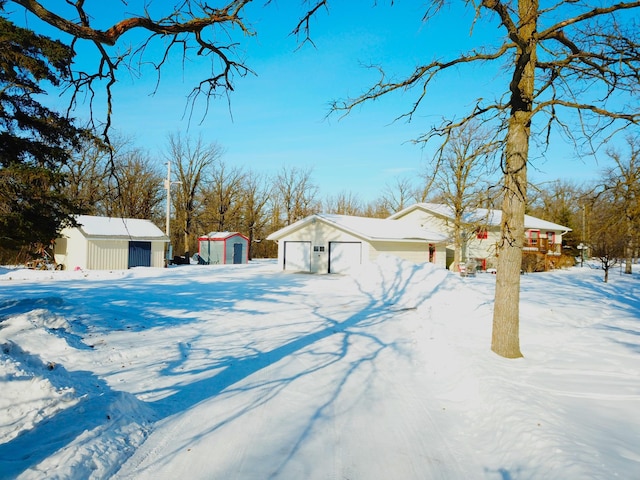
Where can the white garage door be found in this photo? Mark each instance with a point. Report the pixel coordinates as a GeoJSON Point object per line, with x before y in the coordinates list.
{"type": "Point", "coordinates": [344, 255]}
{"type": "Point", "coordinates": [297, 256]}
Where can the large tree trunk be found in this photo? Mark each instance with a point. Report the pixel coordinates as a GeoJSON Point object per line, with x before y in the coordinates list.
{"type": "Point", "coordinates": [505, 339]}
{"type": "Point", "coordinates": [457, 247]}
{"type": "Point", "coordinates": [187, 231]}
{"type": "Point", "coordinates": [628, 248]}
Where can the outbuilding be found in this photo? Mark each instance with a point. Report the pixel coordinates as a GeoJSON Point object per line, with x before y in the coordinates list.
{"type": "Point", "coordinates": [328, 243]}
{"type": "Point", "coordinates": [104, 243]}
{"type": "Point", "coordinates": [223, 248]}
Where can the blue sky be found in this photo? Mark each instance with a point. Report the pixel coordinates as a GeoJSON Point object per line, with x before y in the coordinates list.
{"type": "Point", "coordinates": [279, 117]}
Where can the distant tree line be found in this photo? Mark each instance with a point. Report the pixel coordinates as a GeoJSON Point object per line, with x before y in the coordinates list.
{"type": "Point", "coordinates": [604, 215]}
{"type": "Point", "coordinates": [208, 194]}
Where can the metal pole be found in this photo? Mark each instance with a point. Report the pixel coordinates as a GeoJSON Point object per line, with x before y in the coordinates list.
{"type": "Point", "coordinates": [584, 216]}
{"type": "Point", "coordinates": [167, 185]}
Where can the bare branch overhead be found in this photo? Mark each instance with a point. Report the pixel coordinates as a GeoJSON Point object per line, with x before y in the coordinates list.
{"type": "Point", "coordinates": [193, 26]}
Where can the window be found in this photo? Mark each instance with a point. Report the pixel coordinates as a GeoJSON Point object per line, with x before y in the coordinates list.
{"type": "Point", "coordinates": [318, 248]}
{"type": "Point", "coordinates": [551, 236]}
{"type": "Point", "coordinates": [534, 236]}
{"type": "Point", "coordinates": [482, 234]}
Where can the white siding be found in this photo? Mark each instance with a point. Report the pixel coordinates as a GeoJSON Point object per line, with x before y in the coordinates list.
{"type": "Point", "coordinates": [212, 251]}
{"type": "Point", "coordinates": [108, 255]}
{"type": "Point", "coordinates": [74, 250]}
{"type": "Point", "coordinates": [425, 220]}
{"type": "Point", "coordinates": [484, 248]}
{"type": "Point", "coordinates": [71, 253]}
{"type": "Point", "coordinates": [413, 252]}
{"type": "Point", "coordinates": [158, 254]}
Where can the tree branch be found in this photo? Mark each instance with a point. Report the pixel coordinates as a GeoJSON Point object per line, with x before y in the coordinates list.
{"type": "Point", "coordinates": [422, 75]}
{"type": "Point", "coordinates": [185, 26]}
{"type": "Point", "coordinates": [170, 25]}
{"type": "Point", "coordinates": [591, 14]}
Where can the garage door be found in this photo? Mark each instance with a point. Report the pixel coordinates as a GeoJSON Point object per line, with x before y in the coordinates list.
{"type": "Point", "coordinates": [344, 255]}
{"type": "Point", "coordinates": [139, 254]}
{"type": "Point", "coordinates": [297, 256]}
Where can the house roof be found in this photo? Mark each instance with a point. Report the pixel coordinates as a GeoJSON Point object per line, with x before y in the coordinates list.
{"type": "Point", "coordinates": [370, 229]}
{"type": "Point", "coordinates": [92, 226]}
{"type": "Point", "coordinates": [221, 235]}
{"type": "Point", "coordinates": [481, 215]}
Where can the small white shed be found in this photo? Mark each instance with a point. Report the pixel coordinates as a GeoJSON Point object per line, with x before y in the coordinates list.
{"type": "Point", "coordinates": [223, 248]}
{"type": "Point", "coordinates": [327, 243]}
{"type": "Point", "coordinates": [103, 243]}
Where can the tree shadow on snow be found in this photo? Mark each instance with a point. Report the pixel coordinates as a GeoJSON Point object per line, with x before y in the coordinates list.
{"type": "Point", "coordinates": [92, 411]}
{"type": "Point", "coordinates": [379, 305]}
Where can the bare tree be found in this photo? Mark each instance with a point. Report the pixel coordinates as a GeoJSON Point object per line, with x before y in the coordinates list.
{"type": "Point", "coordinates": [136, 186]}
{"type": "Point", "coordinates": [119, 180]}
{"type": "Point", "coordinates": [255, 197]}
{"type": "Point", "coordinates": [87, 175]}
{"type": "Point", "coordinates": [607, 240]}
{"type": "Point", "coordinates": [344, 203]}
{"type": "Point", "coordinates": [561, 202]}
{"type": "Point", "coordinates": [567, 55]}
{"type": "Point", "coordinates": [623, 182]}
{"type": "Point", "coordinates": [376, 209]}
{"type": "Point", "coordinates": [295, 194]}
{"type": "Point", "coordinates": [221, 198]}
{"type": "Point", "coordinates": [462, 180]}
{"type": "Point", "coordinates": [399, 194]}
{"type": "Point", "coordinates": [184, 29]}
{"type": "Point", "coordinates": [192, 160]}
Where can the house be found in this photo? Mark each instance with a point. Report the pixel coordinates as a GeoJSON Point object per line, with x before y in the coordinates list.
{"type": "Point", "coordinates": [103, 243]}
{"type": "Point", "coordinates": [481, 232]}
{"type": "Point", "coordinates": [327, 243]}
{"type": "Point", "coordinates": [223, 248]}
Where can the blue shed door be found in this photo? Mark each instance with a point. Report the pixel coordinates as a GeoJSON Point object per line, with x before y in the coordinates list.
{"type": "Point", "coordinates": [139, 254]}
{"type": "Point", "coordinates": [237, 253]}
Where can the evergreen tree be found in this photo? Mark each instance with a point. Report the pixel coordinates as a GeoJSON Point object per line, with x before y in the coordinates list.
{"type": "Point", "coordinates": [34, 141]}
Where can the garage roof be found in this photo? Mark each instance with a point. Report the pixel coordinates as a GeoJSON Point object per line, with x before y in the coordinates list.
{"type": "Point", "coordinates": [481, 215]}
{"type": "Point", "coordinates": [136, 228]}
{"type": "Point", "coordinates": [371, 229]}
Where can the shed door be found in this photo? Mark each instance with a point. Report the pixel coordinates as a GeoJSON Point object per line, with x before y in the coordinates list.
{"type": "Point", "coordinates": [344, 255]}
{"type": "Point", "coordinates": [237, 253]}
{"type": "Point", "coordinates": [297, 256]}
{"type": "Point", "coordinates": [139, 254]}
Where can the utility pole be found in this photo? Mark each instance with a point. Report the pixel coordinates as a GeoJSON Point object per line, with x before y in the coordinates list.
{"type": "Point", "coordinates": [167, 186]}
{"type": "Point", "coordinates": [584, 233]}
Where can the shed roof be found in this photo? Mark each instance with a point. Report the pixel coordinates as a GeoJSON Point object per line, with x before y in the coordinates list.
{"type": "Point", "coordinates": [108, 227]}
{"type": "Point", "coordinates": [481, 215]}
{"type": "Point", "coordinates": [222, 235]}
{"type": "Point", "coordinates": [371, 229]}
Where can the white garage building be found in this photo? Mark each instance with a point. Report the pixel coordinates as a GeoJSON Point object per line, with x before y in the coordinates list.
{"type": "Point", "coordinates": [327, 243]}
{"type": "Point", "coordinates": [103, 243]}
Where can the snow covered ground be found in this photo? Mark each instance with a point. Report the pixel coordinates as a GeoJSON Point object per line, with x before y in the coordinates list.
{"type": "Point", "coordinates": [245, 372]}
